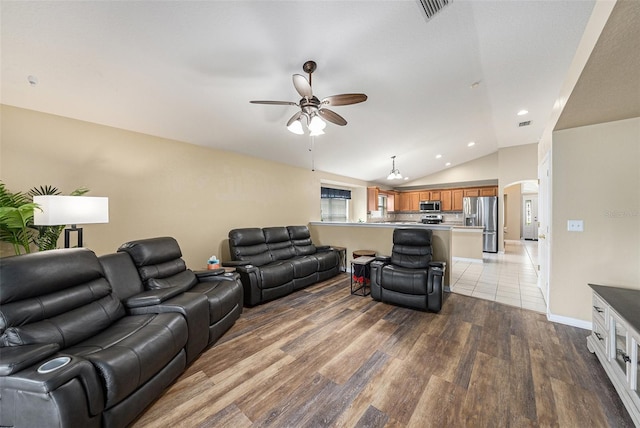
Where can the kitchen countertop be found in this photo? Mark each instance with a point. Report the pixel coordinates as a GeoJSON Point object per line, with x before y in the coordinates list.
{"type": "Point", "coordinates": [441, 226]}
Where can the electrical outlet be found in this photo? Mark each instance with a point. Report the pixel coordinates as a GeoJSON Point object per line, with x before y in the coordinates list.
{"type": "Point", "coordinates": [575, 225]}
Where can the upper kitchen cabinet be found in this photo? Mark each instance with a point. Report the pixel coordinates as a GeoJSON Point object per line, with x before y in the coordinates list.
{"type": "Point", "coordinates": [430, 195]}
{"type": "Point", "coordinates": [456, 199]}
{"type": "Point", "coordinates": [472, 192]}
{"type": "Point", "coordinates": [373, 202]}
{"type": "Point", "coordinates": [408, 201]}
{"type": "Point", "coordinates": [445, 200]}
{"type": "Point", "coordinates": [372, 198]}
{"type": "Point", "coordinates": [488, 191]}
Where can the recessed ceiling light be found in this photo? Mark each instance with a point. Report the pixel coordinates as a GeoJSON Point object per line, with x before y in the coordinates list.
{"type": "Point", "coordinates": [438, 156]}
{"type": "Point", "coordinates": [474, 85]}
{"type": "Point", "coordinates": [523, 112]}
{"type": "Point", "coordinates": [406, 178]}
{"type": "Point", "coordinates": [33, 80]}
{"type": "Point", "coordinates": [447, 164]}
{"type": "Point", "coordinates": [471, 144]}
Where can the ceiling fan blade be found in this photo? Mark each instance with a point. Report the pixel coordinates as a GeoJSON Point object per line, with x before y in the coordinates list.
{"type": "Point", "coordinates": [278, 103]}
{"type": "Point", "coordinates": [302, 85]}
{"type": "Point", "coordinates": [332, 116]}
{"type": "Point", "coordinates": [344, 99]}
{"type": "Point", "coordinates": [294, 118]}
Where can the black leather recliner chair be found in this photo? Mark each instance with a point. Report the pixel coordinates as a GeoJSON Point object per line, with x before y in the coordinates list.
{"type": "Point", "coordinates": [161, 267]}
{"type": "Point", "coordinates": [409, 277]}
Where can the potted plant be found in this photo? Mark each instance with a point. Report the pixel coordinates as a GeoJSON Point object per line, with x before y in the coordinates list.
{"type": "Point", "coordinates": [16, 219]}
{"type": "Point", "coordinates": [16, 213]}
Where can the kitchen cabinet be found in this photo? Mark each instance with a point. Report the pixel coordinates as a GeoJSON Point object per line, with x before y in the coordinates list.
{"type": "Point", "coordinates": [451, 199]}
{"type": "Point", "coordinates": [445, 199]}
{"type": "Point", "coordinates": [488, 191]}
{"type": "Point", "coordinates": [430, 195]}
{"type": "Point", "coordinates": [391, 201]}
{"type": "Point", "coordinates": [372, 198]}
{"type": "Point", "coordinates": [456, 199]}
{"type": "Point", "coordinates": [615, 339]}
{"type": "Point", "coordinates": [408, 201]}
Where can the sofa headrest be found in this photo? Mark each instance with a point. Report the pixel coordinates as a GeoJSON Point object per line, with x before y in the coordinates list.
{"type": "Point", "coordinates": [45, 272]}
{"type": "Point", "coordinates": [416, 237]}
{"type": "Point", "coordinates": [152, 251]}
{"type": "Point", "coordinates": [245, 237]}
{"type": "Point", "coordinates": [275, 234]}
{"type": "Point", "coordinates": [298, 232]}
{"type": "Point", "coordinates": [411, 248]}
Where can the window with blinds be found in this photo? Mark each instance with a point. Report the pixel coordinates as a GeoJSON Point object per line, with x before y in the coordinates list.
{"type": "Point", "coordinates": [334, 204]}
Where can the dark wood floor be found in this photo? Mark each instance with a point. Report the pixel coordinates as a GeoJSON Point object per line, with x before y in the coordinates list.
{"type": "Point", "coordinates": [322, 357]}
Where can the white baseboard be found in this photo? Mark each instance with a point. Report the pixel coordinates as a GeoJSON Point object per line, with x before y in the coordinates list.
{"type": "Point", "coordinates": [574, 322]}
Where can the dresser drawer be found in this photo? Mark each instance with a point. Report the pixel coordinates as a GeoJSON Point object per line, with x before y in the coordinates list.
{"type": "Point", "coordinates": [599, 333]}
{"type": "Point", "coordinates": [600, 311]}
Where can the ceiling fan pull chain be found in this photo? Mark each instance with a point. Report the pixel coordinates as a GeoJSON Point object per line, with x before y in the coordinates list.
{"type": "Point", "coordinates": [313, 162]}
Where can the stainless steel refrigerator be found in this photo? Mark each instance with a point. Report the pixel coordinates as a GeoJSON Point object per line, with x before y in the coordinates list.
{"type": "Point", "coordinates": [483, 211]}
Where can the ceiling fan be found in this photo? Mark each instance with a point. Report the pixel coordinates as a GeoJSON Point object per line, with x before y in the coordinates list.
{"type": "Point", "coordinates": [312, 109]}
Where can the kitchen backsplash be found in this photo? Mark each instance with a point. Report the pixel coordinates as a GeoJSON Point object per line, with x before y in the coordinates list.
{"type": "Point", "coordinates": [377, 217]}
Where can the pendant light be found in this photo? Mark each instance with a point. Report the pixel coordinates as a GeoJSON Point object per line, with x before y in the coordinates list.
{"type": "Point", "coordinates": [395, 173]}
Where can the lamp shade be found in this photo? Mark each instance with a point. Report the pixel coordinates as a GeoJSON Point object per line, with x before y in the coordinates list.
{"type": "Point", "coordinates": [63, 210]}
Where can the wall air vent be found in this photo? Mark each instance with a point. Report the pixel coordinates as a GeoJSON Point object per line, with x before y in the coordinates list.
{"type": "Point", "coordinates": [431, 7]}
{"type": "Point", "coordinates": [527, 123]}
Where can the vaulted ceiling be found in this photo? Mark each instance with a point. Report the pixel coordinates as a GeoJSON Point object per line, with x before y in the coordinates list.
{"type": "Point", "coordinates": [187, 71]}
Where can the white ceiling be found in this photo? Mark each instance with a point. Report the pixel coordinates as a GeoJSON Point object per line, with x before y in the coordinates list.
{"type": "Point", "coordinates": [187, 70]}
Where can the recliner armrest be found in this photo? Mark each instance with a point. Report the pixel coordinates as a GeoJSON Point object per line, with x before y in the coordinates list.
{"type": "Point", "coordinates": [16, 358]}
{"type": "Point", "coordinates": [201, 274]}
{"type": "Point", "coordinates": [152, 297]}
{"type": "Point", "coordinates": [385, 259]}
{"type": "Point", "coordinates": [323, 248]}
{"type": "Point", "coordinates": [441, 265]}
{"type": "Point", "coordinates": [236, 263]}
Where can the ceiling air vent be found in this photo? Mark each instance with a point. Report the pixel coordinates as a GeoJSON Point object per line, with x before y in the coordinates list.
{"type": "Point", "coordinates": [431, 7]}
{"type": "Point", "coordinates": [527, 123]}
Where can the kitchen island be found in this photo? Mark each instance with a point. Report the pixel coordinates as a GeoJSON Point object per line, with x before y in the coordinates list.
{"type": "Point", "coordinates": [379, 237]}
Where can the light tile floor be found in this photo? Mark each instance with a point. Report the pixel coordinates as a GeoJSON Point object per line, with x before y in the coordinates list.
{"type": "Point", "coordinates": [509, 278]}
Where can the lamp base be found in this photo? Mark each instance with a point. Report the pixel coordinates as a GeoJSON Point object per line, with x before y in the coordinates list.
{"type": "Point", "coordinates": [67, 235]}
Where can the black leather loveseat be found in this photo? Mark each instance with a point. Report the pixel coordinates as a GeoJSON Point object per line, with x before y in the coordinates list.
{"type": "Point", "coordinates": [275, 261]}
{"type": "Point", "coordinates": [84, 343]}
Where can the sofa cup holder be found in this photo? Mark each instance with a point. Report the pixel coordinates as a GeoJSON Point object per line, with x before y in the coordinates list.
{"type": "Point", "coordinates": [54, 364]}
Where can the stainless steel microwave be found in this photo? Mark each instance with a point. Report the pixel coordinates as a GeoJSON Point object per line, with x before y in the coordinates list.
{"type": "Point", "coordinates": [430, 206]}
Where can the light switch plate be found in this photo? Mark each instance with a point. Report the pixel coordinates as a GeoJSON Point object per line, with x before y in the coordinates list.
{"type": "Point", "coordinates": [575, 225]}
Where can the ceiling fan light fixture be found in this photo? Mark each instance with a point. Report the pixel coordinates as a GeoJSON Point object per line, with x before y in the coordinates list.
{"type": "Point", "coordinates": [296, 127]}
{"type": "Point", "coordinates": [317, 124]}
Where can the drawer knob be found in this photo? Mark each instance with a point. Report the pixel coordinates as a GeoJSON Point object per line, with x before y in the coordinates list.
{"type": "Point", "coordinates": [624, 355]}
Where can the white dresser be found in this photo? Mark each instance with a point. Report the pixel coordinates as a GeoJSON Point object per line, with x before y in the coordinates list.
{"type": "Point", "coordinates": [615, 339]}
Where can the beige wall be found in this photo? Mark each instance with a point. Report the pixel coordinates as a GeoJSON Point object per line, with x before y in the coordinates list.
{"type": "Point", "coordinates": [513, 209]}
{"type": "Point", "coordinates": [596, 178]}
{"type": "Point", "coordinates": [159, 187]}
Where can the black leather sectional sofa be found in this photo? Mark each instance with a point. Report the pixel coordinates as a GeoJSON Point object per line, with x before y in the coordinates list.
{"type": "Point", "coordinates": [91, 342]}
{"type": "Point", "coordinates": [275, 261]}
